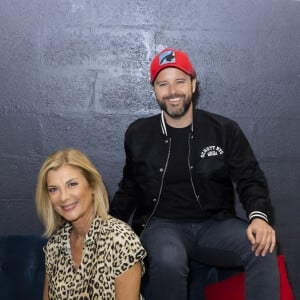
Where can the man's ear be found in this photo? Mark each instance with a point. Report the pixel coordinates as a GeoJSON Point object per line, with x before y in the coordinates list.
{"type": "Point", "coordinates": [194, 84]}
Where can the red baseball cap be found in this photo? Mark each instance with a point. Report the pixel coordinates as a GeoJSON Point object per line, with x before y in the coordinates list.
{"type": "Point", "coordinates": [171, 58]}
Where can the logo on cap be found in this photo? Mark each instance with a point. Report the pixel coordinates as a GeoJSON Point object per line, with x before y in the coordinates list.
{"type": "Point", "coordinates": [167, 57]}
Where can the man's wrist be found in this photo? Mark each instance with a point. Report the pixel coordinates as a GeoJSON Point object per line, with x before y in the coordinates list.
{"type": "Point", "coordinates": [258, 214]}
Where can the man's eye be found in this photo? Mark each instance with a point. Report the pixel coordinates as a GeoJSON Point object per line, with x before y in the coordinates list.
{"type": "Point", "coordinates": [162, 84]}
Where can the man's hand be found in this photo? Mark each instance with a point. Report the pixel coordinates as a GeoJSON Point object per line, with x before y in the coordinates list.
{"type": "Point", "coordinates": [261, 236]}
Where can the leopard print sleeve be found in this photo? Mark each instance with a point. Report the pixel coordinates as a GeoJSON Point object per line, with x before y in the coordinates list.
{"type": "Point", "coordinates": [127, 248]}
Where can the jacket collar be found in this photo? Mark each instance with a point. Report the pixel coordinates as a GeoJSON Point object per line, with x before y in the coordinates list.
{"type": "Point", "coordinates": [163, 123]}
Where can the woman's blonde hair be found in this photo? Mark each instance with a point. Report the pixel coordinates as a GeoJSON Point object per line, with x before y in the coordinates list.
{"type": "Point", "coordinates": [78, 159]}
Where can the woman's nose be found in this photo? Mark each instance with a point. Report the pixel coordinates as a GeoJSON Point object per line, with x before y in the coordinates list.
{"type": "Point", "coordinates": [64, 195]}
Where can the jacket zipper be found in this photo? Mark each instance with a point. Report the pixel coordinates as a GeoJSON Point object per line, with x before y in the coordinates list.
{"type": "Point", "coordinates": [190, 171]}
{"type": "Point", "coordinates": [160, 190]}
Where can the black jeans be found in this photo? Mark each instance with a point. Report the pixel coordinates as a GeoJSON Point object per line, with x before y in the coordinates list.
{"type": "Point", "coordinates": [171, 245]}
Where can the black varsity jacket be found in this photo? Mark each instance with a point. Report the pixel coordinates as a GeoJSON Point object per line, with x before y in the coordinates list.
{"type": "Point", "coordinates": [220, 160]}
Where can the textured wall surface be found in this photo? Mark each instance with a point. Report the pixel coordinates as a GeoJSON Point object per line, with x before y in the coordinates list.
{"type": "Point", "coordinates": [75, 73]}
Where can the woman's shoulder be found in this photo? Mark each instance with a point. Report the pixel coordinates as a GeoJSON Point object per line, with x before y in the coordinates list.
{"type": "Point", "coordinates": [59, 237]}
{"type": "Point", "coordinates": [121, 231]}
{"type": "Point", "coordinates": [125, 239]}
{"type": "Point", "coordinates": [117, 225]}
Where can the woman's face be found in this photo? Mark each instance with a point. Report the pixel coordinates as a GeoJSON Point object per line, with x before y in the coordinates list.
{"type": "Point", "coordinates": [70, 193]}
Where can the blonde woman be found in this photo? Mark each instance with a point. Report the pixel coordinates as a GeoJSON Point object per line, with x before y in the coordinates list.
{"type": "Point", "coordinates": [89, 254]}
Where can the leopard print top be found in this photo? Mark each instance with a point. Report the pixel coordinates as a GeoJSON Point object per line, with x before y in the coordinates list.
{"type": "Point", "coordinates": [110, 248]}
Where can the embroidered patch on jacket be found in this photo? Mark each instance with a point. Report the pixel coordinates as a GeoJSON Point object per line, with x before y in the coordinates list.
{"type": "Point", "coordinates": [211, 151]}
{"type": "Point", "coordinates": [167, 57]}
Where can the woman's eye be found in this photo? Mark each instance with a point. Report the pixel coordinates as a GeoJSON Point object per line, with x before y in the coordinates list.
{"type": "Point", "coordinates": [51, 190]}
{"type": "Point", "coordinates": [73, 184]}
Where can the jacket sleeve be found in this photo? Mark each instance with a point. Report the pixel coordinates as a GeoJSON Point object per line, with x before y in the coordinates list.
{"type": "Point", "coordinates": [124, 201]}
{"type": "Point", "coordinates": [251, 184]}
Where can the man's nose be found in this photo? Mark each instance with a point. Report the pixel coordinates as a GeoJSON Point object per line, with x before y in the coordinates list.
{"type": "Point", "coordinates": [171, 89]}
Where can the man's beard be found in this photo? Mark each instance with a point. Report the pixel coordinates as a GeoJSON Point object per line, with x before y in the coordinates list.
{"type": "Point", "coordinates": [179, 112]}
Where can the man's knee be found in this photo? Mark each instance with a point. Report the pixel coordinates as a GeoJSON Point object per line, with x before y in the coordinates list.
{"type": "Point", "coordinates": [168, 257]}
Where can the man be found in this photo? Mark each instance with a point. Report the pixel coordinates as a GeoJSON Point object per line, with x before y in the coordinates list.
{"type": "Point", "coordinates": [179, 177]}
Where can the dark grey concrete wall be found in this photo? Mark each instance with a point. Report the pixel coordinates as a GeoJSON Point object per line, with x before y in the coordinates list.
{"type": "Point", "coordinates": [75, 73]}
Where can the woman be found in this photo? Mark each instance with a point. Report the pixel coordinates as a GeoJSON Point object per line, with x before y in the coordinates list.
{"type": "Point", "coordinates": [89, 254]}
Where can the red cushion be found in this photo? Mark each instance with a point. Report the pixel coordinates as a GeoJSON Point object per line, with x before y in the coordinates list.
{"type": "Point", "coordinates": [233, 288]}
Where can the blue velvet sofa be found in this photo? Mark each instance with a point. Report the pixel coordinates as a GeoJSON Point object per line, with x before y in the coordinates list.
{"type": "Point", "coordinates": [22, 270]}
{"type": "Point", "coordinates": [21, 267]}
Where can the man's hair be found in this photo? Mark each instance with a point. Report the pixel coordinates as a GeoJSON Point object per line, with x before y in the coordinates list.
{"type": "Point", "coordinates": [75, 158]}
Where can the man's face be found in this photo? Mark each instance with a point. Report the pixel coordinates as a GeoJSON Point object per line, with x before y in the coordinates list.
{"type": "Point", "coordinates": [174, 90]}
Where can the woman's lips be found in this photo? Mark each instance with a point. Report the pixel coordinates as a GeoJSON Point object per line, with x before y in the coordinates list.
{"type": "Point", "coordinates": [68, 207]}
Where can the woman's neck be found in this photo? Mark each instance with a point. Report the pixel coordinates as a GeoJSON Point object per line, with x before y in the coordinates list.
{"type": "Point", "coordinates": [82, 226]}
